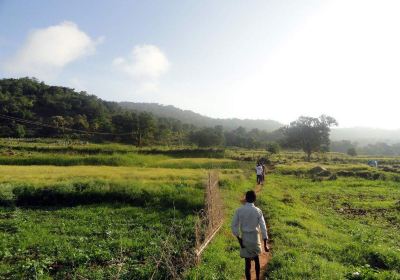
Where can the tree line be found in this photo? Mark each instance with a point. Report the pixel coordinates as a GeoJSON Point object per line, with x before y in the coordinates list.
{"type": "Point", "coordinates": [199, 120]}
{"type": "Point", "coordinates": [30, 108]}
{"type": "Point", "coordinates": [354, 148]}
{"type": "Point", "coordinates": [35, 109]}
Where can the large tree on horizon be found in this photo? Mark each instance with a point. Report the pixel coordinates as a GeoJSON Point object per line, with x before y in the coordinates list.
{"type": "Point", "coordinates": [309, 134]}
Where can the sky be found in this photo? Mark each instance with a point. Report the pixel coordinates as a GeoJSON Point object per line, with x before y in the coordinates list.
{"type": "Point", "coordinates": [276, 59]}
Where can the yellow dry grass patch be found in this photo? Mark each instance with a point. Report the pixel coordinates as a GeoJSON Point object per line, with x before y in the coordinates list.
{"type": "Point", "coordinates": [48, 174]}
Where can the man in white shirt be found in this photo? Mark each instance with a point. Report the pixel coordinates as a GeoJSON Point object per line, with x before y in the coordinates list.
{"type": "Point", "coordinates": [259, 172]}
{"type": "Point", "coordinates": [247, 223]}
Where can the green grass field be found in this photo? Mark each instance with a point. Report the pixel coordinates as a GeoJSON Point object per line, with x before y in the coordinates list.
{"type": "Point", "coordinates": [101, 241]}
{"type": "Point", "coordinates": [343, 229]}
{"type": "Point", "coordinates": [91, 211]}
{"type": "Point", "coordinates": [95, 222]}
{"type": "Point", "coordinates": [107, 211]}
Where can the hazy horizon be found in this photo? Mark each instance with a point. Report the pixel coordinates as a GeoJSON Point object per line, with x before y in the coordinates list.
{"type": "Point", "coordinates": [273, 60]}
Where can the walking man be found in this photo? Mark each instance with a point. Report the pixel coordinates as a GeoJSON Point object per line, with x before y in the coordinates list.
{"type": "Point", "coordinates": [263, 173]}
{"type": "Point", "coordinates": [259, 173]}
{"type": "Point", "coordinates": [247, 223]}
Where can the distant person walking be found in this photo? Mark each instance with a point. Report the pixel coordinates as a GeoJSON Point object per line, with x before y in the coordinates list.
{"type": "Point", "coordinates": [247, 223]}
{"type": "Point", "coordinates": [259, 173]}
{"type": "Point", "coordinates": [263, 173]}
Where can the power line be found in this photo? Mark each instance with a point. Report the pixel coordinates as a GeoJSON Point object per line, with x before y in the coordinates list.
{"type": "Point", "coordinates": [63, 128]}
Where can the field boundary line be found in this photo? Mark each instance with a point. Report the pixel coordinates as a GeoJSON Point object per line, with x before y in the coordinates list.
{"type": "Point", "coordinates": [205, 244]}
{"type": "Point", "coordinates": [211, 218]}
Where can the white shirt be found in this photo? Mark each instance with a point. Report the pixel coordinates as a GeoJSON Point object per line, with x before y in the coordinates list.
{"type": "Point", "coordinates": [259, 170]}
{"type": "Point", "coordinates": [249, 218]}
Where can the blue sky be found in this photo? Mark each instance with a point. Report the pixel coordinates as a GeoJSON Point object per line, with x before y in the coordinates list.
{"type": "Point", "coordinates": [248, 59]}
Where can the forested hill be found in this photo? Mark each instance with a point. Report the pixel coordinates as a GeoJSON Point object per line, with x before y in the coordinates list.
{"type": "Point", "coordinates": [190, 117]}
{"type": "Point", "coordinates": [29, 108]}
{"type": "Point", "coordinates": [33, 108]}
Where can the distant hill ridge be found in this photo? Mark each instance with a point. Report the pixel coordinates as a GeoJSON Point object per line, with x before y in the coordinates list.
{"type": "Point", "coordinates": [31, 100]}
{"type": "Point", "coordinates": [190, 117]}
{"type": "Point", "coordinates": [366, 135]}
{"type": "Point", "coordinates": [362, 135]}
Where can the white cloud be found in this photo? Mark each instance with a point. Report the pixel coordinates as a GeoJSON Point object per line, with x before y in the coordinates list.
{"type": "Point", "coordinates": [145, 64]}
{"type": "Point", "coordinates": [46, 51]}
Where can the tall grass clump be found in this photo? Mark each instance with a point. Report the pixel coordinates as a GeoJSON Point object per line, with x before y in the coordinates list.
{"type": "Point", "coordinates": [182, 197]}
